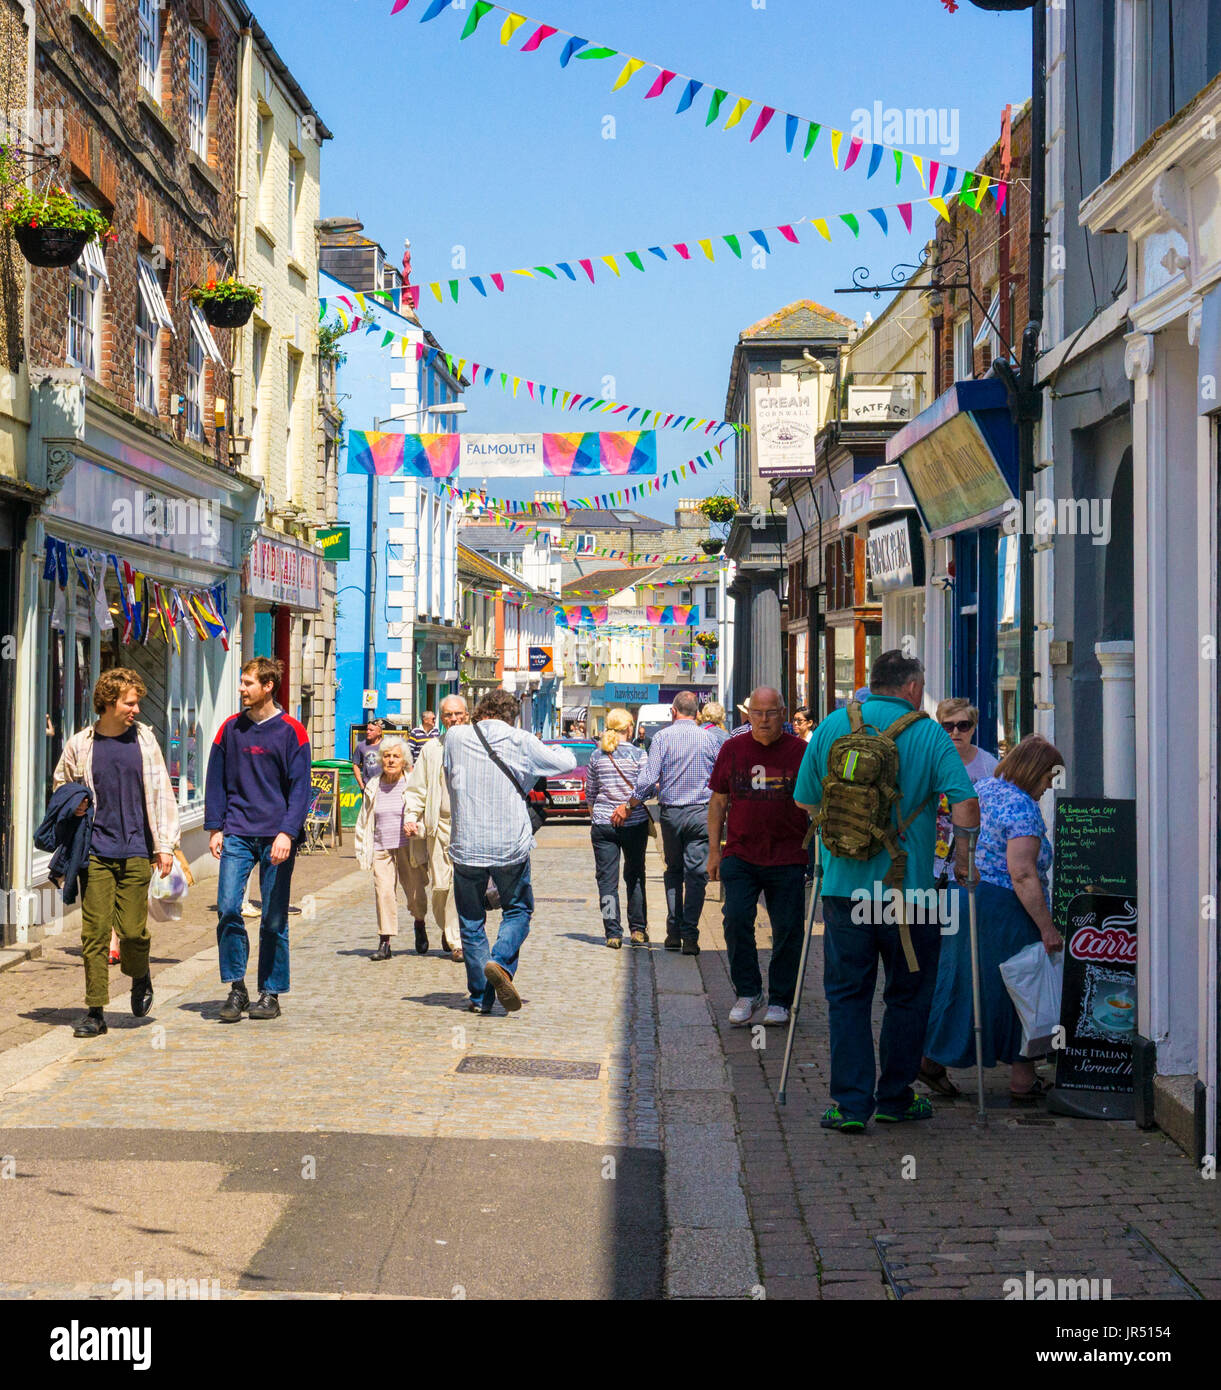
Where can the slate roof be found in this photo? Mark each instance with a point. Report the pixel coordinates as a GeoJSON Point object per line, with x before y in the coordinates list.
{"type": "Point", "coordinates": [801, 319]}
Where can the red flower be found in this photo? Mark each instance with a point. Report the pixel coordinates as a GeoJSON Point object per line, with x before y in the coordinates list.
{"type": "Point", "coordinates": [211, 284]}
{"type": "Point", "coordinates": [34, 222]}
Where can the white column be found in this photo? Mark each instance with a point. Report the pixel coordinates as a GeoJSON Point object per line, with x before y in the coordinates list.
{"type": "Point", "coordinates": [1118, 662]}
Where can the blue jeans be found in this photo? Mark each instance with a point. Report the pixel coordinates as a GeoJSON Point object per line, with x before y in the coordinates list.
{"type": "Point", "coordinates": [783, 889]}
{"type": "Point", "coordinates": [851, 952]}
{"type": "Point", "coordinates": [517, 903]}
{"type": "Point", "coordinates": [239, 855]}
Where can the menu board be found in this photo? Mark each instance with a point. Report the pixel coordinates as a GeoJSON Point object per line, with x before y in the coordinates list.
{"type": "Point", "coordinates": [1094, 909]}
{"type": "Point", "coordinates": [1095, 851]}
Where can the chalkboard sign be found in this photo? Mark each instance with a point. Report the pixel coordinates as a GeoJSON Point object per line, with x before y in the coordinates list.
{"type": "Point", "coordinates": [1094, 909]}
{"type": "Point", "coordinates": [1095, 851]}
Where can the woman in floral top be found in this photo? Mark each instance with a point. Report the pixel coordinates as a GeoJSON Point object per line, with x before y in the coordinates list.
{"type": "Point", "coordinates": [1013, 908]}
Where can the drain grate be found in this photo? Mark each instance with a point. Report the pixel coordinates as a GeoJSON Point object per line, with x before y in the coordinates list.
{"type": "Point", "coordinates": [546, 1068]}
{"type": "Point", "coordinates": [559, 900]}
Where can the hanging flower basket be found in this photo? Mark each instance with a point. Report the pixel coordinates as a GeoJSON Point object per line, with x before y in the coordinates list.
{"type": "Point", "coordinates": [708, 640]}
{"type": "Point", "coordinates": [719, 509]}
{"type": "Point", "coordinates": [226, 303]}
{"type": "Point", "coordinates": [712, 546]}
{"type": "Point", "coordinates": [51, 229]}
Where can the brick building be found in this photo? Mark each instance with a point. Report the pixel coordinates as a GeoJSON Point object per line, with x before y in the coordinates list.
{"type": "Point", "coordinates": [130, 395]}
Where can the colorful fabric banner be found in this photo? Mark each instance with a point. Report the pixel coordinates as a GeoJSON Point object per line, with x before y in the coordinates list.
{"type": "Point", "coordinates": [575, 46]}
{"type": "Point", "coordinates": [674, 615]}
{"type": "Point", "coordinates": [577, 614]}
{"type": "Point", "coordinates": [584, 454]}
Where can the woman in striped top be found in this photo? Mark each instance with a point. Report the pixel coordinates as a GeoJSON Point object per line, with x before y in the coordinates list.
{"type": "Point", "coordinates": [609, 780]}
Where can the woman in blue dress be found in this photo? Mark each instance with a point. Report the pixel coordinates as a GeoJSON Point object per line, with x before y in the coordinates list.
{"type": "Point", "coordinates": [1013, 909]}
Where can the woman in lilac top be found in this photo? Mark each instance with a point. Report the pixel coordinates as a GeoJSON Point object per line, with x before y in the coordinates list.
{"type": "Point", "coordinates": [1013, 910]}
{"type": "Point", "coordinates": [383, 845]}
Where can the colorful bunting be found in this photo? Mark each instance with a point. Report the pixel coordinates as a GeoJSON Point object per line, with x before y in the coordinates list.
{"type": "Point", "coordinates": [582, 48]}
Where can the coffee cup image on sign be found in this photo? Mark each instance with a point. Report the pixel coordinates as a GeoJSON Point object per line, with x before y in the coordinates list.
{"type": "Point", "coordinates": [1108, 1005]}
{"type": "Point", "coordinates": [1116, 1011]}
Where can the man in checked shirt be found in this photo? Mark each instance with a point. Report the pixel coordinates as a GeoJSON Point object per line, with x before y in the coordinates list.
{"type": "Point", "coordinates": [680, 759]}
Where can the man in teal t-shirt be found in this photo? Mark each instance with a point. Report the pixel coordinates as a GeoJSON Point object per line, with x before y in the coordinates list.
{"type": "Point", "coordinates": [861, 924]}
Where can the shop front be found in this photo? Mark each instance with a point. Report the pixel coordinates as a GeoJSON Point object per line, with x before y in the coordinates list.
{"type": "Point", "coordinates": [280, 595]}
{"type": "Point", "coordinates": [132, 560]}
{"type": "Point", "coordinates": [437, 651]}
{"type": "Point", "coordinates": [959, 458]}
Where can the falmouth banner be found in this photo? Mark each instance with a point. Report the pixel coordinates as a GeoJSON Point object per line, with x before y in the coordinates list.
{"type": "Point", "coordinates": [581, 454]}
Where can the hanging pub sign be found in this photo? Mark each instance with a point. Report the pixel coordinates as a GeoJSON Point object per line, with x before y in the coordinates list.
{"type": "Point", "coordinates": [1094, 909]}
{"type": "Point", "coordinates": [895, 555]}
{"type": "Point", "coordinates": [280, 572]}
{"type": "Point", "coordinates": [788, 413]}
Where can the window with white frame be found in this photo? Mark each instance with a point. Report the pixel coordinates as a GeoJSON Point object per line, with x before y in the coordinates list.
{"type": "Point", "coordinates": [585, 543]}
{"type": "Point", "coordinates": [96, 10]}
{"type": "Point", "coordinates": [964, 355]}
{"type": "Point", "coordinates": [294, 191]}
{"type": "Point", "coordinates": [200, 346]}
{"type": "Point", "coordinates": [709, 603]}
{"type": "Point", "coordinates": [85, 279]}
{"type": "Point", "coordinates": [152, 315]}
{"type": "Point", "coordinates": [290, 408]}
{"type": "Point", "coordinates": [988, 335]}
{"type": "Point", "coordinates": [150, 47]}
{"type": "Point", "coordinates": [197, 92]}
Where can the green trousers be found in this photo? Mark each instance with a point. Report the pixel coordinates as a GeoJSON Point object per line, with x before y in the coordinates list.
{"type": "Point", "coordinates": [115, 898]}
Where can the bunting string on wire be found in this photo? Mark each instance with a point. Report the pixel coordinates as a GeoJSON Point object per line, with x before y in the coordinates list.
{"type": "Point", "coordinates": [889, 217]}
{"type": "Point", "coordinates": [800, 132]}
{"type": "Point", "coordinates": [632, 557]}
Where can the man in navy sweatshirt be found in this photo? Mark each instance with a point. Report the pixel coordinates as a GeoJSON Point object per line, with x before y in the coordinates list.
{"type": "Point", "coordinates": [257, 797]}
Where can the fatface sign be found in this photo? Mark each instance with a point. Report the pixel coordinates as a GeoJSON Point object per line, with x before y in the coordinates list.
{"type": "Point", "coordinates": [888, 405]}
{"type": "Point", "coordinates": [787, 417]}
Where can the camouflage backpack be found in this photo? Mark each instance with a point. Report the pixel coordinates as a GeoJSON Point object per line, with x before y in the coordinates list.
{"type": "Point", "coordinates": [859, 813]}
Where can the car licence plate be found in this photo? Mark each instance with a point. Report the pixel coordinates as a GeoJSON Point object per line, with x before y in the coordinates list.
{"type": "Point", "coordinates": [566, 798]}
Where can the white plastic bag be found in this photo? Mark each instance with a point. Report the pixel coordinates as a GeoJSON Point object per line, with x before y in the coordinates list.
{"type": "Point", "coordinates": [1034, 980]}
{"type": "Point", "coordinates": [167, 894]}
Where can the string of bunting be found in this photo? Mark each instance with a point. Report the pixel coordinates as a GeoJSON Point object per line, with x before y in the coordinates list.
{"type": "Point", "coordinates": [720, 99]}
{"type": "Point", "coordinates": [149, 605]}
{"type": "Point", "coordinates": [971, 195]}
{"type": "Point", "coordinates": [602, 551]}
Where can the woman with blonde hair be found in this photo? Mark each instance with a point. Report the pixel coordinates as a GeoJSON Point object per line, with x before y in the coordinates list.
{"type": "Point", "coordinates": [384, 845]}
{"type": "Point", "coordinates": [1013, 910]}
{"type": "Point", "coordinates": [609, 780]}
{"type": "Point", "coordinates": [712, 721]}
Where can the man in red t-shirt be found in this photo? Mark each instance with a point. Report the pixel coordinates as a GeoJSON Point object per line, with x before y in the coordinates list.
{"type": "Point", "coordinates": [753, 779]}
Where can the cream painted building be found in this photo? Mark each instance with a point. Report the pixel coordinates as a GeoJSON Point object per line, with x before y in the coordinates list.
{"type": "Point", "coordinates": [278, 431]}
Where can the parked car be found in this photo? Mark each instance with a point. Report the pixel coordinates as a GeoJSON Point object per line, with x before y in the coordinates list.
{"type": "Point", "coordinates": [566, 791]}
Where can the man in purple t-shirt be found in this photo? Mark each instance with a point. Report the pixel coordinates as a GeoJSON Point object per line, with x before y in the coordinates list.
{"type": "Point", "coordinates": [255, 804]}
{"type": "Point", "coordinates": [753, 780]}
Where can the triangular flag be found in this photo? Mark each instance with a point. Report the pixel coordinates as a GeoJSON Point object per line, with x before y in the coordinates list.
{"type": "Point", "coordinates": [435, 287]}
{"type": "Point", "coordinates": [567, 269]}
{"type": "Point", "coordinates": [481, 8]}
{"type": "Point", "coordinates": [905, 212]}
{"type": "Point", "coordinates": [570, 48]}
{"type": "Point", "coordinates": [898, 165]}
{"type": "Point", "coordinates": [879, 217]}
{"type": "Point", "coordinates": [544, 31]}
{"type": "Point", "coordinates": [811, 136]}
{"type": "Point", "coordinates": [688, 96]}
{"type": "Point", "coordinates": [787, 232]}
{"type": "Point", "coordinates": [610, 261]}
{"type": "Point", "coordinates": [714, 105]}
{"type": "Point", "coordinates": [740, 108]}
{"type": "Point", "coordinates": [919, 166]}
{"type": "Point", "coordinates": [875, 158]}
{"type": "Point", "coordinates": [762, 240]}
{"type": "Point", "coordinates": [734, 245]}
{"type": "Point", "coordinates": [855, 145]}
{"type": "Point", "coordinates": [630, 69]}
{"type": "Point", "coordinates": [598, 53]}
{"type": "Point", "coordinates": [478, 284]}
{"type": "Point", "coordinates": [681, 248]}
{"type": "Point", "coordinates": [939, 205]}
{"type": "Point", "coordinates": [633, 258]}
{"type": "Point", "coordinates": [660, 83]}
{"type": "Point", "coordinates": [706, 247]}
{"type": "Point", "coordinates": [849, 219]}
{"type": "Point", "coordinates": [587, 267]}
{"type": "Point", "coordinates": [790, 132]}
{"type": "Point", "coordinates": [433, 10]}
{"type": "Point", "coordinates": [836, 137]}
{"type": "Point", "coordinates": [932, 175]}
{"type": "Point", "coordinates": [761, 123]}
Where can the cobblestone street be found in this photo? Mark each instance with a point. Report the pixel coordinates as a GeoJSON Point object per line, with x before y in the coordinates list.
{"type": "Point", "coordinates": [378, 1140]}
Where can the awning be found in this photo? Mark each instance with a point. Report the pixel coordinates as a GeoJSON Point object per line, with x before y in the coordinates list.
{"type": "Point", "coordinates": [960, 457]}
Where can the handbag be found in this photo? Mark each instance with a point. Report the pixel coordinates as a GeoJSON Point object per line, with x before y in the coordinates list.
{"type": "Point", "coordinates": [630, 789]}
{"type": "Point", "coordinates": [538, 817]}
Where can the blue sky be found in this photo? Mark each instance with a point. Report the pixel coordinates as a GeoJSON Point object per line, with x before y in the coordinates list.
{"type": "Point", "coordinates": [475, 146]}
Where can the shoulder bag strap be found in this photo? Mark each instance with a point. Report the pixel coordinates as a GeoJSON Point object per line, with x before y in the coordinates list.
{"type": "Point", "coordinates": [488, 747]}
{"type": "Point", "coordinates": [631, 786]}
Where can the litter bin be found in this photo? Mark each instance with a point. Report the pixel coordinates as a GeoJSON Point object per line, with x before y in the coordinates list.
{"type": "Point", "coordinates": [350, 795]}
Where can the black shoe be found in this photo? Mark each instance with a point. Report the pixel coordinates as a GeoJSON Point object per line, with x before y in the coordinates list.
{"type": "Point", "coordinates": [267, 1007]}
{"type": "Point", "coordinates": [421, 939]}
{"type": "Point", "coordinates": [142, 995]}
{"type": "Point", "coordinates": [382, 952]}
{"type": "Point", "coordinates": [235, 1006]}
{"type": "Point", "coordinates": [91, 1025]}
{"type": "Point", "coordinates": [473, 1008]}
{"type": "Point", "coordinates": [691, 947]}
{"type": "Point", "coordinates": [615, 943]}
{"type": "Point", "coordinates": [673, 943]}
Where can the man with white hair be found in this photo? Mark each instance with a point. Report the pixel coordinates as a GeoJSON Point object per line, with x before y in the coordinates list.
{"type": "Point", "coordinates": [753, 781]}
{"type": "Point", "coordinates": [426, 812]}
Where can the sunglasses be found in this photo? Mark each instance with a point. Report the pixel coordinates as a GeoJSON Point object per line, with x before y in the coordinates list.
{"type": "Point", "coordinates": [958, 726]}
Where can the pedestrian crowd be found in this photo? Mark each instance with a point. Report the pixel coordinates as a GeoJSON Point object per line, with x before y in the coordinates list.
{"type": "Point", "coordinates": [891, 801]}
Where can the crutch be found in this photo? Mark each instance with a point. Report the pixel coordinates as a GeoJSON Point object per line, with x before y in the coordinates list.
{"type": "Point", "coordinates": [971, 835]}
{"type": "Point", "coordinates": [801, 969]}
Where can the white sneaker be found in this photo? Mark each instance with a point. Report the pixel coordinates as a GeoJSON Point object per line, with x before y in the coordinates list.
{"type": "Point", "coordinates": [744, 1008]}
{"type": "Point", "coordinates": [776, 1017]}
{"type": "Point", "coordinates": [249, 909]}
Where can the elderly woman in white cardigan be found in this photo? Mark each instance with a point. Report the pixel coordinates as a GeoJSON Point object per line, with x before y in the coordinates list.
{"type": "Point", "coordinates": [384, 845]}
{"type": "Point", "coordinates": [428, 822]}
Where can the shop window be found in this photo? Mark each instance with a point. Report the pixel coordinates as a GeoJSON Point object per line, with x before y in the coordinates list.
{"type": "Point", "coordinates": [197, 93]}
{"type": "Point", "coordinates": [182, 722]}
{"type": "Point", "coordinates": [150, 21]}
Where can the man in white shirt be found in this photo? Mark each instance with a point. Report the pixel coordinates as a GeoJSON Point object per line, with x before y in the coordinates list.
{"type": "Point", "coordinates": [491, 836]}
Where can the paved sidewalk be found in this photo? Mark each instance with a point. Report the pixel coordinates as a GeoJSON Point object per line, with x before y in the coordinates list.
{"type": "Point", "coordinates": [954, 1209]}
{"type": "Point", "coordinates": [346, 1147]}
